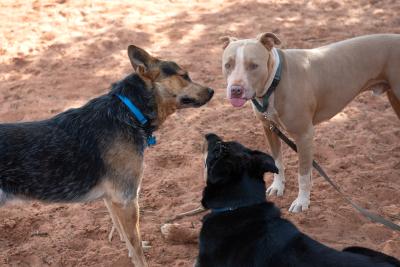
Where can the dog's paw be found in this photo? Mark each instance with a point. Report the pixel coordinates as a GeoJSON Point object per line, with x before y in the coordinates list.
{"type": "Point", "coordinates": [146, 245]}
{"type": "Point", "coordinates": [179, 233]}
{"type": "Point", "coordinates": [300, 204]}
{"type": "Point", "coordinates": [277, 187]}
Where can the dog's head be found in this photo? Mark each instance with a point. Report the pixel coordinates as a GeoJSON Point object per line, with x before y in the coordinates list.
{"type": "Point", "coordinates": [174, 88]}
{"type": "Point", "coordinates": [247, 65]}
{"type": "Point", "coordinates": [233, 172]}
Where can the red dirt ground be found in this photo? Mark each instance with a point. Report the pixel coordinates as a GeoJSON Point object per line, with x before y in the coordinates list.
{"type": "Point", "coordinates": [55, 55]}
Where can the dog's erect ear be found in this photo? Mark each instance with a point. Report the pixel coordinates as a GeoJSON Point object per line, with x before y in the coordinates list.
{"type": "Point", "coordinates": [268, 39]}
{"type": "Point", "coordinates": [262, 163]}
{"type": "Point", "coordinates": [212, 138]}
{"type": "Point", "coordinates": [226, 40]}
{"type": "Point", "coordinates": [140, 59]}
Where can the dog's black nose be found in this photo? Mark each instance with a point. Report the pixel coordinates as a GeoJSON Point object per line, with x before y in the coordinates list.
{"type": "Point", "coordinates": [236, 91]}
{"type": "Point", "coordinates": [210, 92]}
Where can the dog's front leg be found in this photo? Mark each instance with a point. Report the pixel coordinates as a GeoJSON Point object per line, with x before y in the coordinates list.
{"type": "Point", "coordinates": [278, 185]}
{"type": "Point", "coordinates": [304, 143]}
{"type": "Point", "coordinates": [128, 216]}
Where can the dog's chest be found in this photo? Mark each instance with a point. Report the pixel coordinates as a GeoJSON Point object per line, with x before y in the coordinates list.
{"type": "Point", "coordinates": [124, 159]}
{"type": "Point", "coordinates": [271, 115]}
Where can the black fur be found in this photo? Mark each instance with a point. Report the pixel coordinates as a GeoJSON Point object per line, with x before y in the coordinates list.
{"type": "Point", "coordinates": [60, 159]}
{"type": "Point", "coordinates": [253, 233]}
{"type": "Point", "coordinates": [169, 68]}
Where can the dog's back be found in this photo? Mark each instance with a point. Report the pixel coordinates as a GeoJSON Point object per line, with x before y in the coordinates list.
{"type": "Point", "coordinates": [257, 236]}
{"type": "Point", "coordinates": [375, 255]}
{"type": "Point", "coordinates": [243, 237]}
{"type": "Point", "coordinates": [52, 160]}
{"type": "Point", "coordinates": [62, 159]}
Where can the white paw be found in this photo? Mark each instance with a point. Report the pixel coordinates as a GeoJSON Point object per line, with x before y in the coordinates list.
{"type": "Point", "coordinates": [300, 204]}
{"type": "Point", "coordinates": [277, 187]}
{"type": "Point", "coordinates": [146, 245]}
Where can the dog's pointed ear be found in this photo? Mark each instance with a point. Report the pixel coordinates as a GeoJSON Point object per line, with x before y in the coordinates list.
{"type": "Point", "coordinates": [262, 163]}
{"type": "Point", "coordinates": [268, 39]}
{"type": "Point", "coordinates": [212, 138]}
{"type": "Point", "coordinates": [226, 40]}
{"type": "Point", "coordinates": [141, 61]}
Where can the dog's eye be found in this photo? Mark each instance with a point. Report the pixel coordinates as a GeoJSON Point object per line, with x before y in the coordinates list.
{"type": "Point", "coordinates": [186, 77]}
{"type": "Point", "coordinates": [227, 66]}
{"type": "Point", "coordinates": [253, 66]}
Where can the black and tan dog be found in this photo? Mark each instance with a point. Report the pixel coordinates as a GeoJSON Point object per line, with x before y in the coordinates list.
{"type": "Point", "coordinates": [244, 230]}
{"type": "Point", "coordinates": [96, 151]}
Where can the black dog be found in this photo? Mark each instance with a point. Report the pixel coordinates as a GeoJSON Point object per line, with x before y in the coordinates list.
{"type": "Point", "coordinates": [96, 151]}
{"type": "Point", "coordinates": [245, 230]}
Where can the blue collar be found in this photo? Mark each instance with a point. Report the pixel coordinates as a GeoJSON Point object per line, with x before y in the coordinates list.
{"type": "Point", "coordinates": [151, 140]}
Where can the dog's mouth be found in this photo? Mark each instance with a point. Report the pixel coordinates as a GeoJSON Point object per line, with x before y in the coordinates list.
{"type": "Point", "coordinates": [238, 102]}
{"type": "Point", "coordinates": [238, 95]}
{"type": "Point", "coordinates": [187, 101]}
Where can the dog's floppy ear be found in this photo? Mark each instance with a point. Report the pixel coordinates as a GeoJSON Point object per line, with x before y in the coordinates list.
{"type": "Point", "coordinates": [262, 163]}
{"type": "Point", "coordinates": [268, 39]}
{"type": "Point", "coordinates": [226, 40]}
{"type": "Point", "coordinates": [140, 59]}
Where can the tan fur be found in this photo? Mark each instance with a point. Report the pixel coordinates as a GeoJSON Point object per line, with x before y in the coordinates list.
{"type": "Point", "coordinates": [125, 165]}
{"type": "Point", "coordinates": [268, 39]}
{"type": "Point", "coordinates": [394, 101]}
{"type": "Point", "coordinates": [316, 84]}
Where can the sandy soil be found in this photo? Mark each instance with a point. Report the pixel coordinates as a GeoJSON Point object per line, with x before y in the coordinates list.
{"type": "Point", "coordinates": [55, 55]}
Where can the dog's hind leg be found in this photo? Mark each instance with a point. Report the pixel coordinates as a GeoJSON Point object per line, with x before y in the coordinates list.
{"type": "Point", "coordinates": [394, 101]}
{"type": "Point", "coordinates": [393, 93]}
{"type": "Point", "coordinates": [114, 219]}
{"type": "Point", "coordinates": [128, 215]}
{"type": "Point", "coordinates": [278, 185]}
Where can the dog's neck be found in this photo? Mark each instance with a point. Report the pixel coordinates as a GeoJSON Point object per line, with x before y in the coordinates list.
{"type": "Point", "coordinates": [138, 92]}
{"type": "Point", "coordinates": [273, 64]}
{"type": "Point", "coordinates": [164, 109]}
{"type": "Point", "coordinates": [247, 192]}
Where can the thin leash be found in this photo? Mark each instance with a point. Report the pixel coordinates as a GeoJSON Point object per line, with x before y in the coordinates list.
{"type": "Point", "coordinates": [369, 215]}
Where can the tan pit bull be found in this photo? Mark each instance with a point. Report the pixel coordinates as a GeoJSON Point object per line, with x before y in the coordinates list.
{"type": "Point", "coordinates": [315, 84]}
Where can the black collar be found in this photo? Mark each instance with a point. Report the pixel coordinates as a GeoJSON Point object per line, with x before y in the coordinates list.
{"type": "Point", "coordinates": [265, 99]}
{"type": "Point", "coordinates": [224, 209]}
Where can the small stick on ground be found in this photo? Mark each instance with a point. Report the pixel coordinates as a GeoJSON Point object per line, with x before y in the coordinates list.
{"type": "Point", "coordinates": [187, 214]}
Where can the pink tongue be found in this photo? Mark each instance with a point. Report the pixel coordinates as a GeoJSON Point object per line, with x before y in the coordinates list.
{"type": "Point", "coordinates": [238, 102]}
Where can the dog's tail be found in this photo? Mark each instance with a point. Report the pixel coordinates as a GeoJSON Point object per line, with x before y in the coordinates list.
{"type": "Point", "coordinates": [373, 254]}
